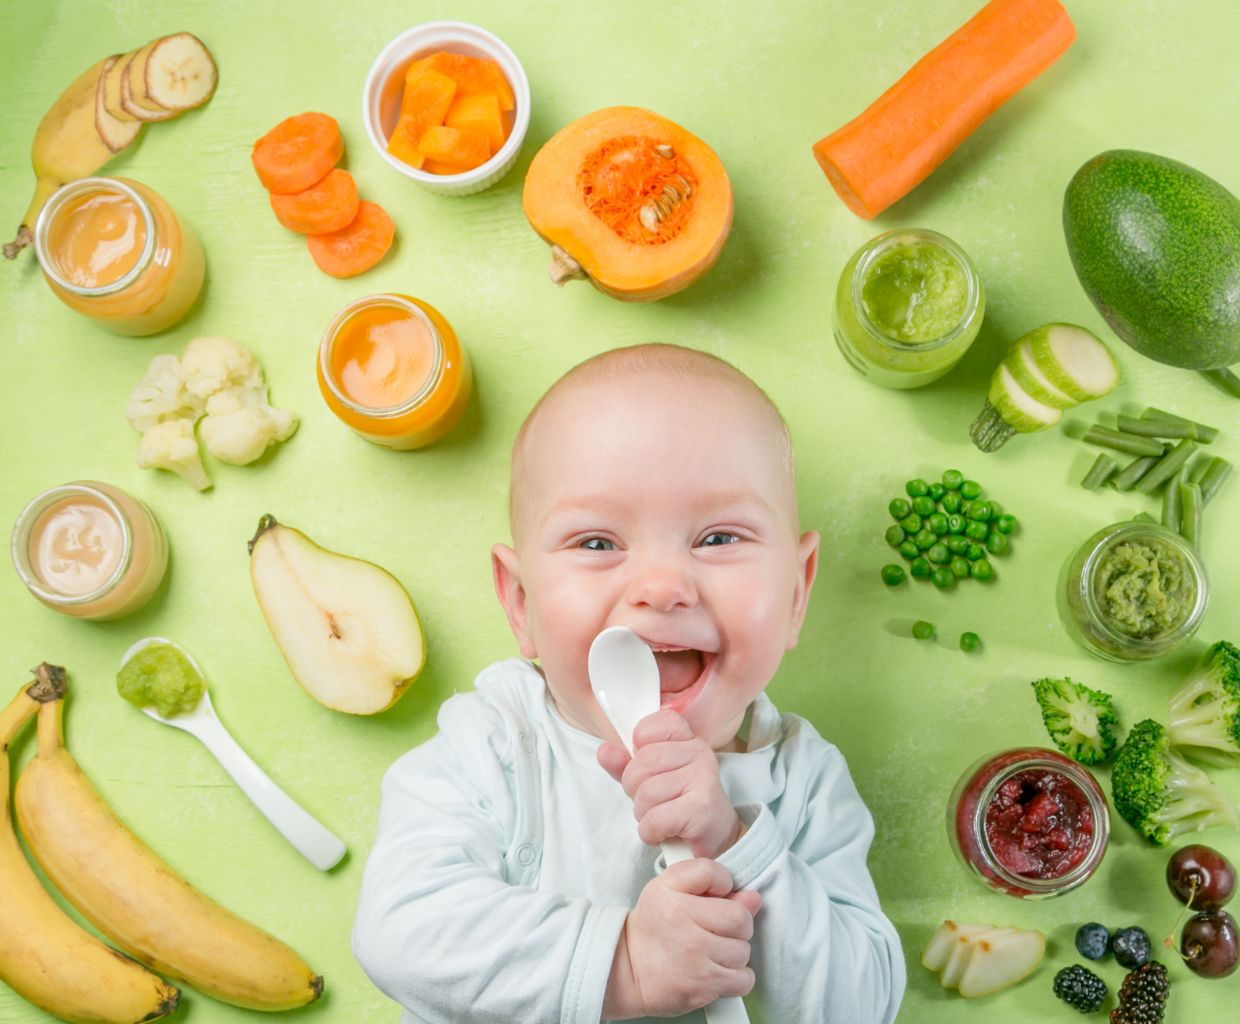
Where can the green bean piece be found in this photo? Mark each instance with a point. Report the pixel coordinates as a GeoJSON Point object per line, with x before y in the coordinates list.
{"type": "Point", "coordinates": [939, 555]}
{"type": "Point", "coordinates": [957, 544]}
{"type": "Point", "coordinates": [925, 539]}
{"type": "Point", "coordinates": [1121, 442]}
{"type": "Point", "coordinates": [1203, 433]}
{"type": "Point", "coordinates": [923, 630]}
{"type": "Point", "coordinates": [956, 524]}
{"type": "Point", "coordinates": [975, 552]}
{"type": "Point", "coordinates": [917, 488]}
{"type": "Point", "coordinates": [1144, 517]}
{"type": "Point", "coordinates": [952, 479]}
{"type": "Point", "coordinates": [1156, 428]}
{"type": "Point", "coordinates": [893, 575]}
{"type": "Point", "coordinates": [1171, 505]}
{"type": "Point", "coordinates": [959, 567]}
{"type": "Point", "coordinates": [969, 642]}
{"type": "Point", "coordinates": [981, 511]}
{"type": "Point", "coordinates": [970, 489]}
{"type": "Point", "coordinates": [909, 551]}
{"type": "Point", "coordinates": [1198, 472]}
{"type": "Point", "coordinates": [937, 524]}
{"type": "Point", "coordinates": [899, 508]}
{"type": "Point", "coordinates": [1225, 379]}
{"type": "Point", "coordinates": [894, 535]}
{"type": "Point", "coordinates": [1167, 467]}
{"type": "Point", "coordinates": [911, 523]}
{"type": "Point", "coordinates": [1127, 477]}
{"type": "Point", "coordinates": [1100, 472]}
{"type": "Point", "coordinates": [923, 506]}
{"type": "Point", "coordinates": [1006, 523]}
{"type": "Point", "coordinates": [997, 543]}
{"type": "Point", "coordinates": [1214, 478]}
{"type": "Point", "coordinates": [920, 568]}
{"type": "Point", "coordinates": [943, 578]}
{"type": "Point", "coordinates": [951, 502]}
{"type": "Point", "coordinates": [982, 570]}
{"type": "Point", "coordinates": [977, 529]}
{"type": "Point", "coordinates": [1191, 507]}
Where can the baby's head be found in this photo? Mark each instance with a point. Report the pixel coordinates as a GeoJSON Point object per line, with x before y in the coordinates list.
{"type": "Point", "coordinates": [652, 487]}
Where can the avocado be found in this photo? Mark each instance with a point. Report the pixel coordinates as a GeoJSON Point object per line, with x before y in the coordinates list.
{"type": "Point", "coordinates": [1156, 246]}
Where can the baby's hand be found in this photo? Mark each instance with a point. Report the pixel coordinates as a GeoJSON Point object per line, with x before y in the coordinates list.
{"type": "Point", "coordinates": [673, 781]}
{"type": "Point", "coordinates": [684, 945]}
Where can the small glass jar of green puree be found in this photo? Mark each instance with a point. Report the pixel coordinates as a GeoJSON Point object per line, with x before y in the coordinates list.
{"type": "Point", "coordinates": [1133, 591]}
{"type": "Point", "coordinates": [908, 306]}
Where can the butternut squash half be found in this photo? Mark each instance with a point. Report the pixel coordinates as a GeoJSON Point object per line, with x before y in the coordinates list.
{"type": "Point", "coordinates": [630, 201]}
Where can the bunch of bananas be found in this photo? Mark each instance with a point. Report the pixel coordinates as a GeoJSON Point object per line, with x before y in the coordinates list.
{"type": "Point", "coordinates": [104, 109]}
{"type": "Point", "coordinates": [123, 889]}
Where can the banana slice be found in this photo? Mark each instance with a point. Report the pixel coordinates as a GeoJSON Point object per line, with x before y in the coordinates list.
{"type": "Point", "coordinates": [111, 79]}
{"type": "Point", "coordinates": [178, 73]}
{"type": "Point", "coordinates": [116, 132]}
{"type": "Point", "coordinates": [131, 78]}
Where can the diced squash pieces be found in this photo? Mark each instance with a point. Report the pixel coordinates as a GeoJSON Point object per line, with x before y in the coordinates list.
{"type": "Point", "coordinates": [452, 146]}
{"type": "Point", "coordinates": [425, 103]}
{"type": "Point", "coordinates": [478, 113]}
{"type": "Point", "coordinates": [471, 74]}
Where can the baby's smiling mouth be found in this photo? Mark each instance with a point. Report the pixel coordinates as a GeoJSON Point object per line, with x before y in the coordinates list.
{"type": "Point", "coordinates": [678, 670]}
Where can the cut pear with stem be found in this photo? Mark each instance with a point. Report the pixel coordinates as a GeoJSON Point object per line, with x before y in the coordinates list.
{"type": "Point", "coordinates": [348, 630]}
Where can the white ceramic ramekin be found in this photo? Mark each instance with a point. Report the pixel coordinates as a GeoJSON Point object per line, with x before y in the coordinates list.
{"type": "Point", "coordinates": [385, 82]}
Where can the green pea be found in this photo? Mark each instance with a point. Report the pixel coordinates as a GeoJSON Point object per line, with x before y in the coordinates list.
{"type": "Point", "coordinates": [952, 479]}
{"type": "Point", "coordinates": [977, 529]}
{"type": "Point", "coordinates": [909, 551]}
{"type": "Point", "coordinates": [911, 523]}
{"type": "Point", "coordinates": [893, 575]}
{"type": "Point", "coordinates": [952, 501]}
{"type": "Point", "coordinates": [965, 508]}
{"type": "Point", "coordinates": [943, 578]}
{"type": "Point", "coordinates": [995, 507]}
{"type": "Point", "coordinates": [969, 642]}
{"type": "Point", "coordinates": [916, 488]}
{"type": "Point", "coordinates": [982, 570]}
{"type": "Point", "coordinates": [899, 508]}
{"type": "Point", "coordinates": [956, 524]}
{"type": "Point", "coordinates": [920, 568]}
{"type": "Point", "coordinates": [981, 511]}
{"type": "Point", "coordinates": [939, 554]}
{"type": "Point", "coordinates": [937, 524]}
{"type": "Point", "coordinates": [923, 630]}
{"type": "Point", "coordinates": [997, 543]}
{"type": "Point", "coordinates": [956, 544]}
{"type": "Point", "coordinates": [975, 552]}
{"type": "Point", "coordinates": [894, 535]}
{"type": "Point", "coordinates": [971, 489]}
{"type": "Point", "coordinates": [925, 539]}
{"type": "Point", "coordinates": [1006, 523]}
{"type": "Point", "coordinates": [937, 491]}
{"type": "Point", "coordinates": [960, 568]}
{"type": "Point", "coordinates": [923, 506]}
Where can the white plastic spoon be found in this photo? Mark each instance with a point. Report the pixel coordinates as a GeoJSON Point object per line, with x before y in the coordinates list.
{"type": "Point", "coordinates": [625, 679]}
{"type": "Point", "coordinates": [314, 842]}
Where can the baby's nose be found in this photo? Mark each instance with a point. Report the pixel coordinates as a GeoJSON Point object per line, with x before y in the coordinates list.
{"type": "Point", "coordinates": [663, 586]}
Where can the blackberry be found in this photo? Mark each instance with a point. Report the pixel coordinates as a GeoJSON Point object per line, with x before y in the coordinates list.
{"type": "Point", "coordinates": [1081, 989]}
{"type": "Point", "coordinates": [1093, 941]}
{"type": "Point", "coordinates": [1131, 947]}
{"type": "Point", "coordinates": [1143, 995]}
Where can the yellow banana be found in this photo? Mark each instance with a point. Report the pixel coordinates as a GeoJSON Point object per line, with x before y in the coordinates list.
{"type": "Point", "coordinates": [44, 956]}
{"type": "Point", "coordinates": [135, 899]}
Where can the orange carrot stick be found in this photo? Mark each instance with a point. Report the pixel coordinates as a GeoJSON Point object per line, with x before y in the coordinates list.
{"type": "Point", "coordinates": [356, 247]}
{"type": "Point", "coordinates": [327, 205]}
{"type": "Point", "coordinates": [297, 152]}
{"type": "Point", "coordinates": [896, 142]}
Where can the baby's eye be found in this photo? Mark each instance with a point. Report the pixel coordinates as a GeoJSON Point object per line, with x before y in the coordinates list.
{"type": "Point", "coordinates": [718, 538]}
{"type": "Point", "coordinates": [598, 544]}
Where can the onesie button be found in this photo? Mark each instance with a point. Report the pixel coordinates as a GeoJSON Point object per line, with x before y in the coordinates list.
{"type": "Point", "coordinates": [526, 854]}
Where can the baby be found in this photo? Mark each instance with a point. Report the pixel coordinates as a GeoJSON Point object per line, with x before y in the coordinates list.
{"type": "Point", "coordinates": [651, 487]}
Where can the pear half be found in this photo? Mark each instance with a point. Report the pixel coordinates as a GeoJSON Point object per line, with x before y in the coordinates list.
{"type": "Point", "coordinates": [347, 628]}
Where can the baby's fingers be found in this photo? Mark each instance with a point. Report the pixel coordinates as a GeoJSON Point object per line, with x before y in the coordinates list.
{"type": "Point", "coordinates": [724, 918]}
{"type": "Point", "coordinates": [613, 759]}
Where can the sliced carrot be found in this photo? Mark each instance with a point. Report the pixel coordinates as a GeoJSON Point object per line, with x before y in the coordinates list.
{"type": "Point", "coordinates": [898, 140]}
{"type": "Point", "coordinates": [471, 74]}
{"type": "Point", "coordinates": [327, 205]}
{"type": "Point", "coordinates": [478, 113]}
{"type": "Point", "coordinates": [297, 152]}
{"type": "Point", "coordinates": [356, 247]}
{"type": "Point", "coordinates": [462, 149]}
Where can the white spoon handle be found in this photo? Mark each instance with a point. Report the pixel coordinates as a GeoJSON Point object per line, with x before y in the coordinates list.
{"type": "Point", "coordinates": [314, 842]}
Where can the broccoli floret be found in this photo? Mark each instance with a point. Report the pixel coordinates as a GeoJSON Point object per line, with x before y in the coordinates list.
{"type": "Point", "coordinates": [1081, 721]}
{"type": "Point", "coordinates": [1205, 711]}
{"type": "Point", "coordinates": [1159, 793]}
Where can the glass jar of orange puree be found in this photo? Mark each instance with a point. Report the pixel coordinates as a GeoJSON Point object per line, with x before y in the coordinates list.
{"type": "Point", "coordinates": [390, 366]}
{"type": "Point", "coordinates": [113, 250]}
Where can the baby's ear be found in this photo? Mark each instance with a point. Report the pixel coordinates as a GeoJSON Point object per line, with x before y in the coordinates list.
{"type": "Point", "coordinates": [807, 569]}
{"type": "Point", "coordinates": [506, 574]}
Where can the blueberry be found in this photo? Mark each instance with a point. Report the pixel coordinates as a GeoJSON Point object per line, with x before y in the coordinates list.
{"type": "Point", "coordinates": [1131, 947]}
{"type": "Point", "coordinates": [1093, 941]}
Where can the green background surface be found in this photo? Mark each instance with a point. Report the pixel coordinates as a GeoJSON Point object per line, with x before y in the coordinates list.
{"type": "Point", "coordinates": [760, 83]}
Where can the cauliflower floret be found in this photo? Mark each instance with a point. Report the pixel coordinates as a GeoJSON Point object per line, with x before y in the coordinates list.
{"type": "Point", "coordinates": [241, 433]}
{"type": "Point", "coordinates": [161, 395]}
{"type": "Point", "coordinates": [172, 445]}
{"type": "Point", "coordinates": [212, 364]}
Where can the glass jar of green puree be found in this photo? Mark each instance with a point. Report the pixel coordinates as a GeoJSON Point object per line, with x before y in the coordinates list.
{"type": "Point", "coordinates": [1133, 591]}
{"type": "Point", "coordinates": [908, 306]}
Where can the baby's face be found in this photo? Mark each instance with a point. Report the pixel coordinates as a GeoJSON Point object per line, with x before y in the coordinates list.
{"type": "Point", "coordinates": [664, 505]}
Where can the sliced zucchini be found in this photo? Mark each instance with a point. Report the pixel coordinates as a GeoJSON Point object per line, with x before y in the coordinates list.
{"type": "Point", "coordinates": [1074, 360]}
{"type": "Point", "coordinates": [1009, 410]}
{"type": "Point", "coordinates": [1029, 376]}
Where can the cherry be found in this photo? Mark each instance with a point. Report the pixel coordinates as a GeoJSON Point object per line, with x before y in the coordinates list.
{"type": "Point", "coordinates": [1210, 944]}
{"type": "Point", "coordinates": [1200, 877]}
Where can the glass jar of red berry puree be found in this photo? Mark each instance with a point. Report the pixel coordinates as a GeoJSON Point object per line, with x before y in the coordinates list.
{"type": "Point", "coordinates": [1030, 822]}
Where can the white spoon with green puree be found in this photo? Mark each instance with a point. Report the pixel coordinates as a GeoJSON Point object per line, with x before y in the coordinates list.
{"type": "Point", "coordinates": [625, 679]}
{"type": "Point", "coordinates": [160, 657]}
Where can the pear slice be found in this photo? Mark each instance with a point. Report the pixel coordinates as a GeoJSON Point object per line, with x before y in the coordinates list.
{"type": "Point", "coordinates": [116, 132]}
{"type": "Point", "coordinates": [939, 949]}
{"type": "Point", "coordinates": [1000, 961]}
{"type": "Point", "coordinates": [347, 628]}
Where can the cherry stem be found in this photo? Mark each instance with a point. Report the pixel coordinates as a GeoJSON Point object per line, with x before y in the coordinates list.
{"type": "Point", "coordinates": [1169, 941]}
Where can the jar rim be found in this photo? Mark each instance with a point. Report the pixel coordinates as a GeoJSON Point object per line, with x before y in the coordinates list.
{"type": "Point", "coordinates": [333, 331]}
{"type": "Point", "coordinates": [19, 543]}
{"type": "Point", "coordinates": [57, 202]}
{"type": "Point", "coordinates": [878, 245]}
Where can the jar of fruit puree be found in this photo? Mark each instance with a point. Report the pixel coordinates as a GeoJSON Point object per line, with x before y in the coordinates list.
{"type": "Point", "coordinates": [1028, 822]}
{"type": "Point", "coordinates": [113, 250]}
{"type": "Point", "coordinates": [391, 368]}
